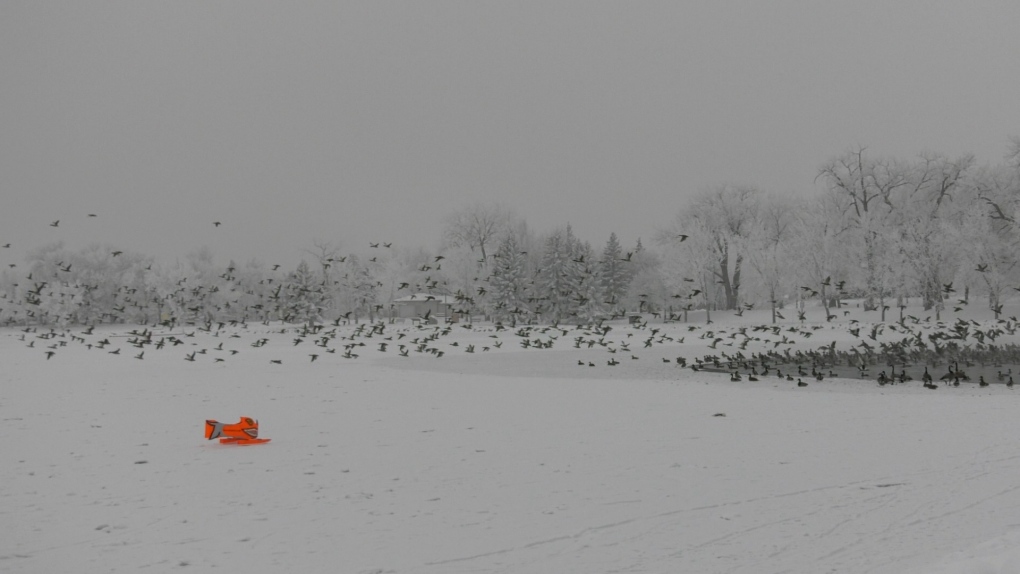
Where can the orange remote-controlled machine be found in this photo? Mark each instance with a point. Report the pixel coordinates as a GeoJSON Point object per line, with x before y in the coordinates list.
{"type": "Point", "coordinates": [244, 431]}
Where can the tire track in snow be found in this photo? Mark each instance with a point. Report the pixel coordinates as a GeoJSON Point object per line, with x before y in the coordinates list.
{"type": "Point", "coordinates": [592, 529]}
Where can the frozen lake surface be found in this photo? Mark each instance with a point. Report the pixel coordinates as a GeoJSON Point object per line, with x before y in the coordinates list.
{"type": "Point", "coordinates": [502, 459]}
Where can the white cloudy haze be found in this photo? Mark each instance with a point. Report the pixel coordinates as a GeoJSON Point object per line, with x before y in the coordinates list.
{"type": "Point", "coordinates": [367, 121]}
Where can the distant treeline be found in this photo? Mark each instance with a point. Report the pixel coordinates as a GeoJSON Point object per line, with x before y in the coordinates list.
{"type": "Point", "coordinates": [881, 229]}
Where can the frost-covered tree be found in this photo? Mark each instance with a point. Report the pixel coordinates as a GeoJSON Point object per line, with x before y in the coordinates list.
{"type": "Point", "coordinates": [461, 275]}
{"type": "Point", "coordinates": [587, 284]}
{"type": "Point", "coordinates": [922, 214]}
{"type": "Point", "coordinates": [691, 265]}
{"type": "Point", "coordinates": [97, 284]}
{"type": "Point", "coordinates": [253, 282]}
{"type": "Point", "coordinates": [477, 227]}
{"type": "Point", "coordinates": [568, 285]}
{"type": "Point", "coordinates": [554, 288]}
{"type": "Point", "coordinates": [358, 287]}
{"type": "Point", "coordinates": [508, 281]}
{"type": "Point", "coordinates": [724, 217]}
{"type": "Point", "coordinates": [989, 248]}
{"type": "Point", "coordinates": [770, 248]}
{"type": "Point", "coordinates": [328, 256]}
{"type": "Point", "coordinates": [305, 297]}
{"type": "Point", "coordinates": [615, 272]}
{"type": "Point", "coordinates": [647, 291]}
{"type": "Point", "coordinates": [863, 188]}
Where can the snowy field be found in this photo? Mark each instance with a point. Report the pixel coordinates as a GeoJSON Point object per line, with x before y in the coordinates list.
{"type": "Point", "coordinates": [504, 459]}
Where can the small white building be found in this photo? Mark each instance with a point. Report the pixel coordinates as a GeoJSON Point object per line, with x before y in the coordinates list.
{"type": "Point", "coordinates": [439, 307]}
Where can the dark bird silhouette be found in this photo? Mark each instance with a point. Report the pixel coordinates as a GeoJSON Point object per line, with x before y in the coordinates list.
{"type": "Point", "coordinates": [217, 223]}
{"type": "Point", "coordinates": [55, 223]}
{"type": "Point", "coordinates": [682, 237]}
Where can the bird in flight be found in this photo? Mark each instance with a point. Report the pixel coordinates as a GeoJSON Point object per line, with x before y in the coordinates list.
{"type": "Point", "coordinates": [55, 223]}
{"type": "Point", "coordinates": [217, 223]}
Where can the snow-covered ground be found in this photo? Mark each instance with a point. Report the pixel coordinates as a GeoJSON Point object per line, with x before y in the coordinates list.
{"type": "Point", "coordinates": [500, 460]}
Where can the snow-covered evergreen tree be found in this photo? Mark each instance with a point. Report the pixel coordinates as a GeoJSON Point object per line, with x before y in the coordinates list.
{"type": "Point", "coordinates": [615, 273]}
{"type": "Point", "coordinates": [358, 287]}
{"type": "Point", "coordinates": [586, 282]}
{"type": "Point", "coordinates": [507, 281]}
{"type": "Point", "coordinates": [553, 286]}
{"type": "Point", "coordinates": [305, 296]}
{"type": "Point", "coordinates": [568, 285]}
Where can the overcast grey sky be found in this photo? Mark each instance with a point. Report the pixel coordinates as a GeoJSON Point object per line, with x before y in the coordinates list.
{"type": "Point", "coordinates": [367, 121]}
